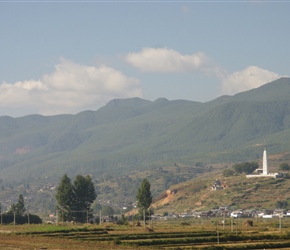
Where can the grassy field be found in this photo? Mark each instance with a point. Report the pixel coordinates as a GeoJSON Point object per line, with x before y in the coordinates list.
{"type": "Point", "coordinates": [175, 234]}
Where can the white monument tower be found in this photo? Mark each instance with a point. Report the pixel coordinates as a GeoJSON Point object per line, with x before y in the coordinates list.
{"type": "Point", "coordinates": [264, 172]}
{"type": "Point", "coordinates": [265, 163]}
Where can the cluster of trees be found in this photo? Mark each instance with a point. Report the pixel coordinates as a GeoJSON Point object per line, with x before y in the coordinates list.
{"type": "Point", "coordinates": [74, 199]}
{"type": "Point", "coordinates": [19, 207]}
{"type": "Point", "coordinates": [284, 166]}
{"type": "Point", "coordinates": [245, 167]}
{"type": "Point", "coordinates": [74, 202]}
{"type": "Point", "coordinates": [17, 214]}
{"type": "Point", "coordinates": [282, 204]}
{"type": "Point", "coordinates": [249, 167]}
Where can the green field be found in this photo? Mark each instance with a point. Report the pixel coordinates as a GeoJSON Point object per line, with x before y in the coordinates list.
{"type": "Point", "coordinates": [189, 233]}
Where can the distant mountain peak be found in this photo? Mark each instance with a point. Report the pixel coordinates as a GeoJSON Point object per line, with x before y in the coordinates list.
{"type": "Point", "coordinates": [129, 102]}
{"type": "Point", "coordinates": [278, 89]}
{"type": "Point", "coordinates": [161, 100]}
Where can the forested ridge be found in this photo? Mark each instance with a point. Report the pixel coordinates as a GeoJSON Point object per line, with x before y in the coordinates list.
{"type": "Point", "coordinates": [135, 134]}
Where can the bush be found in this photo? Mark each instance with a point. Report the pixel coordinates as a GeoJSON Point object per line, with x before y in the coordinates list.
{"type": "Point", "coordinates": [117, 241]}
{"type": "Point", "coordinates": [246, 167]}
{"type": "Point", "coordinates": [282, 204]}
{"type": "Point", "coordinates": [284, 166]}
{"type": "Point", "coordinates": [21, 219]}
{"type": "Point", "coordinates": [228, 172]}
{"type": "Point", "coordinates": [184, 224]}
{"type": "Point", "coordinates": [122, 221]}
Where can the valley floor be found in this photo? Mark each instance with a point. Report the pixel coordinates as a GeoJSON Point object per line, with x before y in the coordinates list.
{"type": "Point", "coordinates": [172, 235]}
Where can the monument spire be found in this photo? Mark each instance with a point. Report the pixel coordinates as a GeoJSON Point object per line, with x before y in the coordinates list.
{"type": "Point", "coordinates": [265, 163]}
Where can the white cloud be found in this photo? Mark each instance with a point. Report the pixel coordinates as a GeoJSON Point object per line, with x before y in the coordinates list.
{"type": "Point", "coordinates": [69, 89]}
{"type": "Point", "coordinates": [249, 78]}
{"type": "Point", "coordinates": [166, 60]}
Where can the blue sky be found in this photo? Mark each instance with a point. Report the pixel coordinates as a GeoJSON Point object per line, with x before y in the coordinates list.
{"type": "Point", "coordinates": [66, 56]}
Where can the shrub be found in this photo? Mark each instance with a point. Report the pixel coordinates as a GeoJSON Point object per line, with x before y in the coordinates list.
{"type": "Point", "coordinates": [246, 167]}
{"type": "Point", "coordinates": [123, 220]}
{"type": "Point", "coordinates": [184, 224]}
{"type": "Point", "coordinates": [117, 241]}
{"type": "Point", "coordinates": [21, 219]}
{"type": "Point", "coordinates": [228, 172]}
{"type": "Point", "coordinates": [284, 166]}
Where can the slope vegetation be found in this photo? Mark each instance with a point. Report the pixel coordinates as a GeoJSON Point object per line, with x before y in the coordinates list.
{"type": "Point", "coordinates": [136, 134]}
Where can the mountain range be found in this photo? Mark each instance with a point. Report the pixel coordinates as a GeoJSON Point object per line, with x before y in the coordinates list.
{"type": "Point", "coordinates": [134, 135]}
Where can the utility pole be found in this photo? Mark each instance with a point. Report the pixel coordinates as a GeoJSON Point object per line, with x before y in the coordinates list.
{"type": "Point", "coordinates": [100, 222]}
{"type": "Point", "coordinates": [144, 218]}
{"type": "Point", "coordinates": [57, 214]}
{"type": "Point", "coordinates": [217, 233]}
{"type": "Point", "coordinates": [87, 216]}
{"type": "Point", "coordinates": [1, 214]}
{"type": "Point", "coordinates": [28, 218]}
{"type": "Point", "coordinates": [149, 219]}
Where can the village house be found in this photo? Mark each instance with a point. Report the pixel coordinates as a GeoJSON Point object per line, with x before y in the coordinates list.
{"type": "Point", "coordinates": [217, 185]}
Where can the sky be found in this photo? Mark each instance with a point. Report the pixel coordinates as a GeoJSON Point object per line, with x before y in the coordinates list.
{"type": "Point", "coordinates": [64, 57]}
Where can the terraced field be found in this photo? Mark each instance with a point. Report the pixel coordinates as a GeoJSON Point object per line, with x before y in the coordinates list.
{"type": "Point", "coordinates": [177, 234]}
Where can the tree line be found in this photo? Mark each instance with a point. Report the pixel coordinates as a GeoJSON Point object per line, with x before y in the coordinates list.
{"type": "Point", "coordinates": [75, 199]}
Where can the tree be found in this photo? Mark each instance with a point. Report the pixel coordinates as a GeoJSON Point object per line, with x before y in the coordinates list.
{"type": "Point", "coordinates": [19, 207]}
{"type": "Point", "coordinates": [97, 207]}
{"type": "Point", "coordinates": [64, 196]}
{"type": "Point", "coordinates": [246, 167]}
{"type": "Point", "coordinates": [165, 214]}
{"type": "Point", "coordinates": [228, 172]}
{"type": "Point", "coordinates": [282, 204]}
{"type": "Point", "coordinates": [74, 200]}
{"type": "Point", "coordinates": [84, 194]}
{"type": "Point", "coordinates": [107, 210]}
{"type": "Point", "coordinates": [144, 198]}
{"type": "Point", "coordinates": [284, 166]}
{"type": "Point", "coordinates": [123, 220]}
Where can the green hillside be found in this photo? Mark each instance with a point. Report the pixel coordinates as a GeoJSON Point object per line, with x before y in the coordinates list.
{"type": "Point", "coordinates": [168, 142]}
{"type": "Point", "coordinates": [136, 134]}
{"type": "Point", "coordinates": [239, 192]}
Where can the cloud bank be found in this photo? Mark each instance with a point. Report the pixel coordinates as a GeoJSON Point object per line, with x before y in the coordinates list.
{"type": "Point", "coordinates": [72, 87]}
{"type": "Point", "coordinates": [249, 78]}
{"type": "Point", "coordinates": [168, 60]}
{"type": "Point", "coordinates": [69, 89]}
